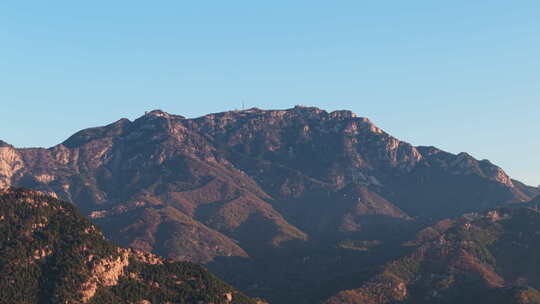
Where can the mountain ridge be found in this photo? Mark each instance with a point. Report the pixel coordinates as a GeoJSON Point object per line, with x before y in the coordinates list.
{"type": "Point", "coordinates": [253, 185]}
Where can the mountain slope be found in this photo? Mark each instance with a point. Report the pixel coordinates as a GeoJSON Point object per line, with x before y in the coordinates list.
{"type": "Point", "coordinates": [51, 254]}
{"type": "Point", "coordinates": [153, 166]}
{"type": "Point", "coordinates": [274, 192]}
{"type": "Point", "coordinates": [478, 258]}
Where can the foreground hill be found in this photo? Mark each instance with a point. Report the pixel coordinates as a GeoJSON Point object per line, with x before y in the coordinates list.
{"type": "Point", "coordinates": [262, 197]}
{"type": "Point", "coordinates": [51, 254]}
{"type": "Point", "coordinates": [491, 257]}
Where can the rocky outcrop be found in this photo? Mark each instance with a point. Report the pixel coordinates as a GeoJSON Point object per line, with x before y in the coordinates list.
{"type": "Point", "coordinates": [105, 272]}
{"type": "Point", "coordinates": [51, 254]}
{"type": "Point", "coordinates": [10, 164]}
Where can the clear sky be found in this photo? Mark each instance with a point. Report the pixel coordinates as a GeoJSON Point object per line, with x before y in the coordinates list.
{"type": "Point", "coordinates": [461, 75]}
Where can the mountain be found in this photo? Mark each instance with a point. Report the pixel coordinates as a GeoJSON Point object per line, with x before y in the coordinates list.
{"type": "Point", "coordinates": [262, 197]}
{"type": "Point", "coordinates": [490, 257]}
{"type": "Point", "coordinates": [51, 254]}
{"type": "Point", "coordinates": [531, 191]}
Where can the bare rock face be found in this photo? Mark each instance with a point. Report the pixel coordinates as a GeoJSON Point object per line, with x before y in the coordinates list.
{"type": "Point", "coordinates": [105, 272]}
{"type": "Point", "coordinates": [10, 163]}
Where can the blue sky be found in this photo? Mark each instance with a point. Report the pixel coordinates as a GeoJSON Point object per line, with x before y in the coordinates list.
{"type": "Point", "coordinates": [460, 75]}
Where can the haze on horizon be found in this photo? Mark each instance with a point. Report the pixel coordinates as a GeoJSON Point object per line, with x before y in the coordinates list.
{"type": "Point", "coordinates": [461, 76]}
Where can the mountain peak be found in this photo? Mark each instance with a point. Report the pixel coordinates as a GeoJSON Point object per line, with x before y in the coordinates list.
{"type": "Point", "coordinates": [158, 113]}
{"type": "Point", "coordinates": [87, 135]}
